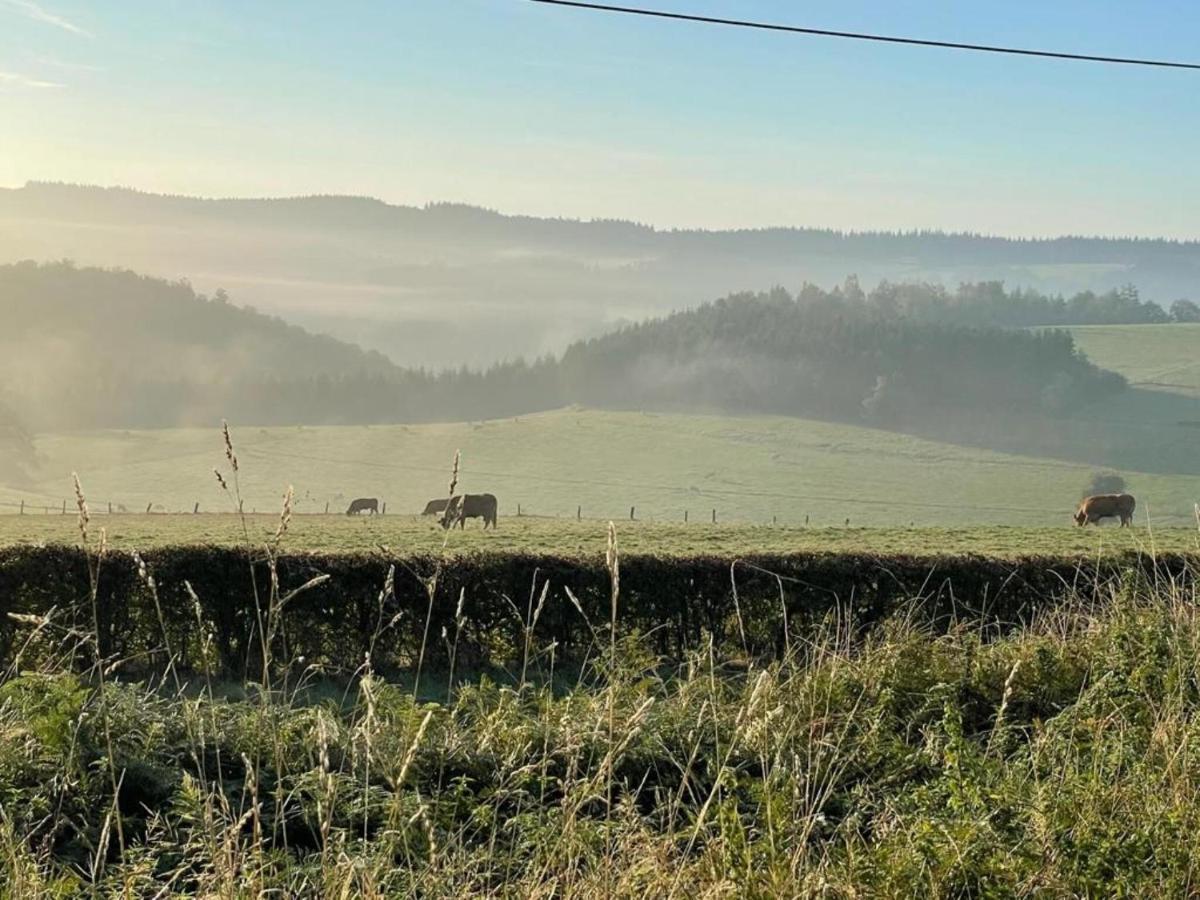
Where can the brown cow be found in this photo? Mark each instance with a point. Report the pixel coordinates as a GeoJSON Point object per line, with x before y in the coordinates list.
{"type": "Point", "coordinates": [1103, 506]}
{"type": "Point", "coordinates": [470, 506]}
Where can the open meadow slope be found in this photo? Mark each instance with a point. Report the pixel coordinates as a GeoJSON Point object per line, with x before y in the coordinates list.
{"type": "Point", "coordinates": [753, 470]}
{"type": "Point", "coordinates": [1160, 356]}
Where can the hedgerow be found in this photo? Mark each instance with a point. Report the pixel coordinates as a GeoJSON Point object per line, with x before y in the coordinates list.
{"type": "Point", "coordinates": [209, 600]}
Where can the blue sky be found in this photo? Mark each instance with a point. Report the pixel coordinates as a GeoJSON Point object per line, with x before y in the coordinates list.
{"type": "Point", "coordinates": [533, 109]}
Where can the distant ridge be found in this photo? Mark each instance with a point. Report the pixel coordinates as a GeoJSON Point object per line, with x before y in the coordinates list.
{"type": "Point", "coordinates": [450, 283]}
{"type": "Point", "coordinates": [377, 211]}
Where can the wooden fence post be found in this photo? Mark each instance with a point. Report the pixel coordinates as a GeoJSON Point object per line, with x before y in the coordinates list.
{"type": "Point", "coordinates": [22, 512]}
{"type": "Point", "coordinates": [64, 512]}
{"type": "Point", "coordinates": [326, 507]}
{"type": "Point", "coordinates": [518, 510]}
{"type": "Point", "coordinates": [714, 517]}
{"type": "Point", "coordinates": [148, 507]}
{"type": "Point", "coordinates": [631, 510]}
{"type": "Point", "coordinates": [685, 517]}
{"type": "Point", "coordinates": [110, 508]}
{"type": "Point", "coordinates": [196, 508]}
{"type": "Point", "coordinates": [383, 509]}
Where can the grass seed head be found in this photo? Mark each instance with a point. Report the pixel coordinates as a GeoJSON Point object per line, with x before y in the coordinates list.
{"type": "Point", "coordinates": [285, 514]}
{"type": "Point", "coordinates": [81, 505]}
{"type": "Point", "coordinates": [454, 473]}
{"type": "Point", "coordinates": [612, 561]}
{"type": "Point", "coordinates": [541, 603]}
{"type": "Point", "coordinates": [229, 454]}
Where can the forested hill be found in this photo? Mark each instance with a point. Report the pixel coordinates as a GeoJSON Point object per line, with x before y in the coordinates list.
{"type": "Point", "coordinates": [96, 348]}
{"type": "Point", "coordinates": [831, 356]}
{"type": "Point", "coordinates": [83, 347]}
{"type": "Point", "coordinates": [473, 225]}
{"type": "Point", "coordinates": [447, 284]}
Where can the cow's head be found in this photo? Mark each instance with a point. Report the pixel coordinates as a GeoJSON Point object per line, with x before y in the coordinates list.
{"type": "Point", "coordinates": [453, 511]}
{"type": "Point", "coordinates": [1080, 516]}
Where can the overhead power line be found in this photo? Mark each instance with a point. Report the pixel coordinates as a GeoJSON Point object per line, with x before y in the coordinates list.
{"type": "Point", "coordinates": [864, 36]}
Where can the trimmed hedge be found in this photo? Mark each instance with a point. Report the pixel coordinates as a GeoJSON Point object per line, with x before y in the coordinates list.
{"type": "Point", "coordinates": [673, 601]}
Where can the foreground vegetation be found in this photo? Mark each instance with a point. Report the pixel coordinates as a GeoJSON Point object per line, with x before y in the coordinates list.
{"type": "Point", "coordinates": [1060, 759]}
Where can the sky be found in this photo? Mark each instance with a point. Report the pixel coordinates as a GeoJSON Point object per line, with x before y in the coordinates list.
{"type": "Point", "coordinates": [548, 111]}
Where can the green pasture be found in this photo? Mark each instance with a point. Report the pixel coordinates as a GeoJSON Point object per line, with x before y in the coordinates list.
{"type": "Point", "coordinates": [1166, 356]}
{"type": "Point", "coordinates": [598, 464]}
{"type": "Point", "coordinates": [571, 538]}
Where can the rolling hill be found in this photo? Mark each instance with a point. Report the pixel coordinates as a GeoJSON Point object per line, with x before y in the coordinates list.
{"type": "Point", "coordinates": [449, 284]}
{"type": "Point", "coordinates": [82, 347]}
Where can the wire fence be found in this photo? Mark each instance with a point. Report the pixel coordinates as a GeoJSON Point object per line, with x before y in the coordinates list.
{"type": "Point", "coordinates": [884, 512]}
{"type": "Point", "coordinates": [711, 504]}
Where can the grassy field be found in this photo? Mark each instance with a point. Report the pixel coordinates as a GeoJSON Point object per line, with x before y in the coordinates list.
{"type": "Point", "coordinates": [1156, 355]}
{"type": "Point", "coordinates": [570, 538]}
{"type": "Point", "coordinates": [754, 469]}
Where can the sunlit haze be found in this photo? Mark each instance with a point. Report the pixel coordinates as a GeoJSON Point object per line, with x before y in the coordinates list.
{"type": "Point", "coordinates": [554, 112]}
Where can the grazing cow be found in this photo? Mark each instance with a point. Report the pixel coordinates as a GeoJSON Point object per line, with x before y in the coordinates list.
{"type": "Point", "coordinates": [1103, 506]}
{"type": "Point", "coordinates": [363, 504]}
{"type": "Point", "coordinates": [433, 507]}
{"type": "Point", "coordinates": [470, 506]}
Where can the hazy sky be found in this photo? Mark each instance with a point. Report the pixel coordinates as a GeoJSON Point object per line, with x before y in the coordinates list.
{"type": "Point", "coordinates": [534, 109]}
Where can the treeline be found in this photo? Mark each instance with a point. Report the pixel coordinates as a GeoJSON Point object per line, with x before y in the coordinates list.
{"type": "Point", "coordinates": [989, 303]}
{"type": "Point", "coordinates": [835, 356]}
{"type": "Point", "coordinates": [87, 348]}
{"type": "Point", "coordinates": [94, 348]}
{"type": "Point", "coordinates": [830, 355]}
{"type": "Point", "coordinates": [460, 222]}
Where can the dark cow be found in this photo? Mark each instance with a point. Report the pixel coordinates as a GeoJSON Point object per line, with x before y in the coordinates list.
{"type": "Point", "coordinates": [1104, 506]}
{"type": "Point", "coordinates": [363, 504]}
{"type": "Point", "coordinates": [433, 507]}
{"type": "Point", "coordinates": [470, 506]}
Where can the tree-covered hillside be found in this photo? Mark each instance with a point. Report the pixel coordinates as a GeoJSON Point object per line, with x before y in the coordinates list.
{"type": "Point", "coordinates": [85, 347]}
{"type": "Point", "coordinates": [99, 348]}
{"type": "Point", "coordinates": [830, 355]}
